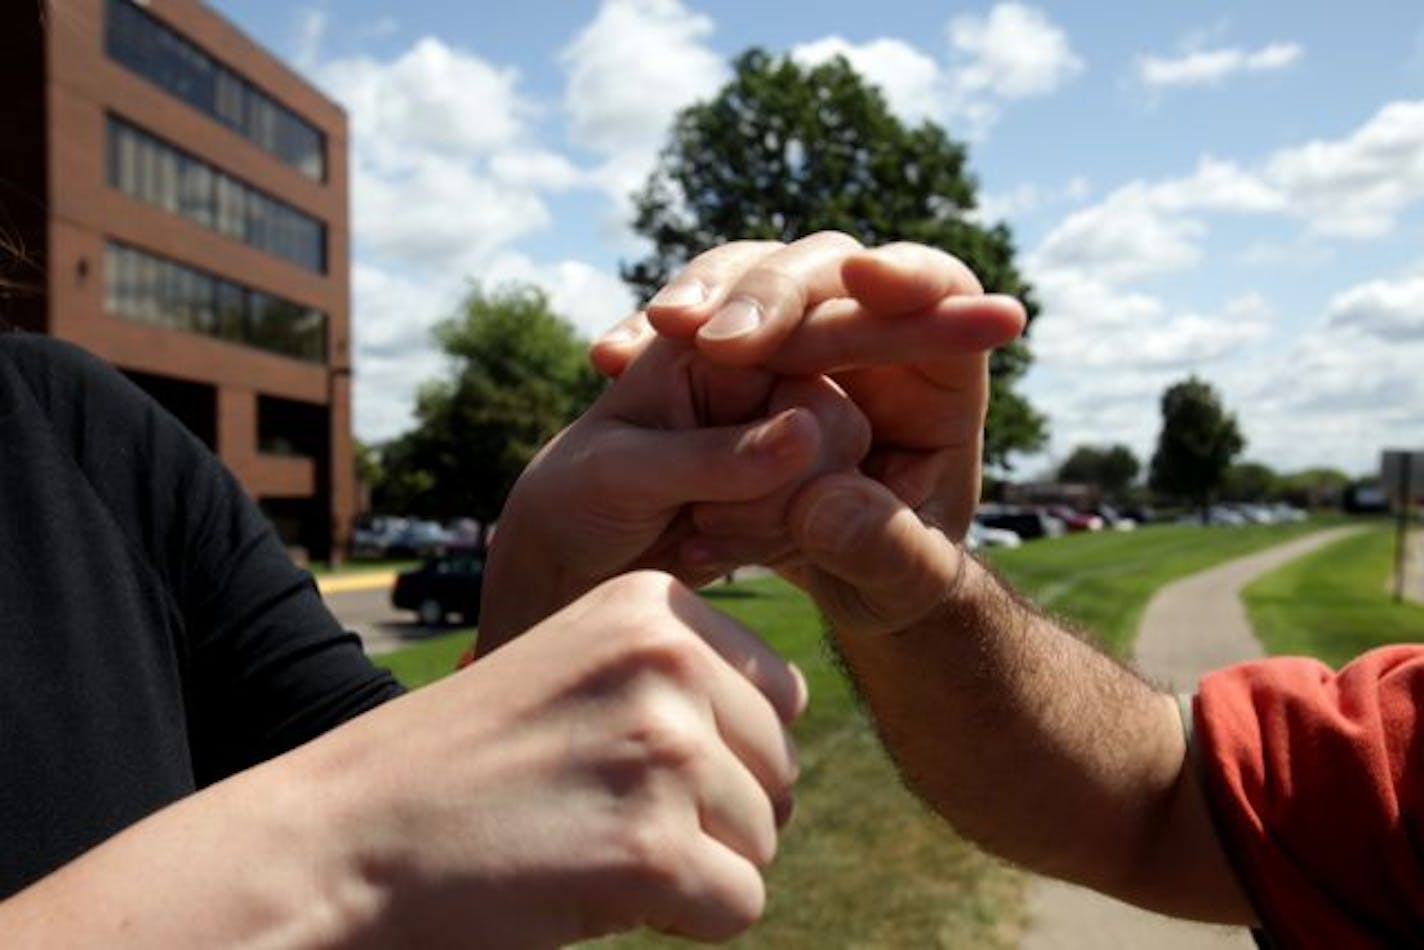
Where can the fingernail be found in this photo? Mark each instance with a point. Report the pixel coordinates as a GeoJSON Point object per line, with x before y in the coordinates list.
{"type": "Point", "coordinates": [620, 335]}
{"type": "Point", "coordinates": [833, 523]}
{"type": "Point", "coordinates": [803, 689]}
{"type": "Point", "coordinates": [680, 293]}
{"type": "Point", "coordinates": [776, 439]}
{"type": "Point", "coordinates": [736, 318]}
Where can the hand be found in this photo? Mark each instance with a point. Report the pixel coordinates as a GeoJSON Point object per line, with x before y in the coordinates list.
{"type": "Point", "coordinates": [904, 329]}
{"type": "Point", "coordinates": [868, 560]}
{"type": "Point", "coordinates": [667, 433]}
{"type": "Point", "coordinates": [625, 763]}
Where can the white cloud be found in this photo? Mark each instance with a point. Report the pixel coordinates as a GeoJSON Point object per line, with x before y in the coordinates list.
{"type": "Point", "coordinates": [1388, 310]}
{"type": "Point", "coordinates": [1207, 67]}
{"type": "Point", "coordinates": [629, 72]}
{"type": "Point", "coordinates": [311, 31]}
{"type": "Point", "coordinates": [1143, 229]}
{"type": "Point", "coordinates": [913, 84]}
{"type": "Point", "coordinates": [1357, 186]}
{"type": "Point", "coordinates": [1012, 52]}
{"type": "Point", "coordinates": [590, 298]}
{"type": "Point", "coordinates": [1015, 51]}
{"type": "Point", "coordinates": [433, 98]}
{"type": "Point", "coordinates": [1122, 239]}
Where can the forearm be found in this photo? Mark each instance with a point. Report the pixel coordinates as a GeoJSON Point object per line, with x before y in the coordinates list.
{"type": "Point", "coordinates": [250, 861]}
{"type": "Point", "coordinates": [1043, 750]}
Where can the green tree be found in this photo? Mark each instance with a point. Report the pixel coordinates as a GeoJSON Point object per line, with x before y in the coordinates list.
{"type": "Point", "coordinates": [518, 375]}
{"type": "Point", "coordinates": [1113, 468]}
{"type": "Point", "coordinates": [1199, 439]}
{"type": "Point", "coordinates": [1313, 487]}
{"type": "Point", "coordinates": [785, 150]}
{"type": "Point", "coordinates": [1249, 481]}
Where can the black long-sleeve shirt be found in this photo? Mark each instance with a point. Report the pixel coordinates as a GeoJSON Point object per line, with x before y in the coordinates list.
{"type": "Point", "coordinates": [154, 635]}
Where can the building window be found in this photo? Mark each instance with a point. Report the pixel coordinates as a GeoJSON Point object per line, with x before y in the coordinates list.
{"type": "Point", "coordinates": [150, 48]}
{"type": "Point", "coordinates": [152, 171]}
{"type": "Point", "coordinates": [149, 289]}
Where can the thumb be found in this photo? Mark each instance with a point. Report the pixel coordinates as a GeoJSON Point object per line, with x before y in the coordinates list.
{"type": "Point", "coordinates": [878, 567]}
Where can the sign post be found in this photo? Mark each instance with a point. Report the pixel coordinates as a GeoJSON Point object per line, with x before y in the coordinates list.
{"type": "Point", "coordinates": [1402, 478]}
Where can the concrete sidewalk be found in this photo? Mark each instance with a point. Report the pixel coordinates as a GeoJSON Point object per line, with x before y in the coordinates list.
{"type": "Point", "coordinates": [1190, 627]}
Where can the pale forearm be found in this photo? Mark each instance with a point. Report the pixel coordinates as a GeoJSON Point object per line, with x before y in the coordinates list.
{"type": "Point", "coordinates": [246, 862]}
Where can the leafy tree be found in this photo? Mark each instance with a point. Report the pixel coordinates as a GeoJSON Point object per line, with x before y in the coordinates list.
{"type": "Point", "coordinates": [518, 376]}
{"type": "Point", "coordinates": [1199, 439]}
{"type": "Point", "coordinates": [1313, 487]}
{"type": "Point", "coordinates": [785, 150]}
{"type": "Point", "coordinates": [1112, 469]}
{"type": "Point", "coordinates": [1249, 481]}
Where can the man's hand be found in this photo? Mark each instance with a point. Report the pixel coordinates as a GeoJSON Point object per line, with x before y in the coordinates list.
{"type": "Point", "coordinates": [610, 493]}
{"type": "Point", "coordinates": [904, 329]}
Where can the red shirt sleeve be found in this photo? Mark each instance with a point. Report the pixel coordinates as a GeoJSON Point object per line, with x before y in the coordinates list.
{"type": "Point", "coordinates": [1316, 781]}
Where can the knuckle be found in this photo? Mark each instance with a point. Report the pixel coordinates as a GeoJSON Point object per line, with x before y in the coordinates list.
{"type": "Point", "coordinates": [648, 852]}
{"type": "Point", "coordinates": [834, 238]}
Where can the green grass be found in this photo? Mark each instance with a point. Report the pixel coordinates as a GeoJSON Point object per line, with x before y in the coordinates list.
{"type": "Point", "coordinates": [1334, 603]}
{"type": "Point", "coordinates": [428, 660]}
{"type": "Point", "coordinates": [863, 864]}
{"type": "Point", "coordinates": [1101, 582]}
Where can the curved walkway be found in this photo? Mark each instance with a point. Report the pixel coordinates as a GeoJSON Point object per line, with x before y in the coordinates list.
{"type": "Point", "coordinates": [1189, 627]}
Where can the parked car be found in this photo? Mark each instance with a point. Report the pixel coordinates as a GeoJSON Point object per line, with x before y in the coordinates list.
{"type": "Point", "coordinates": [1028, 524]}
{"type": "Point", "coordinates": [445, 585]}
{"type": "Point", "coordinates": [981, 536]}
{"type": "Point", "coordinates": [1076, 521]}
{"type": "Point", "coordinates": [419, 539]}
{"type": "Point", "coordinates": [1113, 519]}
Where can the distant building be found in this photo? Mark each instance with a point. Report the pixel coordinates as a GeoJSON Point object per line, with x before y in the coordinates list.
{"type": "Point", "coordinates": [184, 197]}
{"type": "Point", "coordinates": [1074, 495]}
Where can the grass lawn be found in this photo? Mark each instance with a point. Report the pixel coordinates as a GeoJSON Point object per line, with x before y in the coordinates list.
{"type": "Point", "coordinates": [1335, 603]}
{"type": "Point", "coordinates": [863, 864]}
{"type": "Point", "coordinates": [1102, 582]}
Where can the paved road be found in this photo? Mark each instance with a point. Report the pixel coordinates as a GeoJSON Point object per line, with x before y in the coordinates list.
{"type": "Point", "coordinates": [368, 613]}
{"type": "Point", "coordinates": [1191, 626]}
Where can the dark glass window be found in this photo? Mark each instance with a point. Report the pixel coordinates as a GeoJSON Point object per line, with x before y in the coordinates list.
{"type": "Point", "coordinates": [155, 51]}
{"type": "Point", "coordinates": [150, 289]}
{"type": "Point", "coordinates": [152, 171]}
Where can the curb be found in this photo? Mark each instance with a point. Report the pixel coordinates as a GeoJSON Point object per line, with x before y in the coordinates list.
{"type": "Point", "coordinates": [369, 580]}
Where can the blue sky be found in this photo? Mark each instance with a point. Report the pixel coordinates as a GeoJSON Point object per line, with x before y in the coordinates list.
{"type": "Point", "coordinates": [1231, 190]}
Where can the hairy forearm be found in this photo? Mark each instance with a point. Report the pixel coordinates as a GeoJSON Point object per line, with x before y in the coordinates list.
{"type": "Point", "coordinates": [1044, 750]}
{"type": "Point", "coordinates": [250, 861]}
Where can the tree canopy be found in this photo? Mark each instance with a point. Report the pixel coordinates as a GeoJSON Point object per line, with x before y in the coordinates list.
{"type": "Point", "coordinates": [1199, 438]}
{"type": "Point", "coordinates": [518, 374]}
{"type": "Point", "coordinates": [785, 150]}
{"type": "Point", "coordinates": [1112, 468]}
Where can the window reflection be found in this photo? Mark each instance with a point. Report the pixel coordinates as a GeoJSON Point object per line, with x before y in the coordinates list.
{"type": "Point", "coordinates": [140, 286]}
{"type": "Point", "coordinates": [152, 171]}
{"type": "Point", "coordinates": [156, 52]}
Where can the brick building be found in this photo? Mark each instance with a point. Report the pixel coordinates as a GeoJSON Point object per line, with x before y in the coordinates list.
{"type": "Point", "coordinates": [182, 196]}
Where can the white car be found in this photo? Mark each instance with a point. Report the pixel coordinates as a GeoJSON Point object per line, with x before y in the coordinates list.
{"type": "Point", "coordinates": [980, 536]}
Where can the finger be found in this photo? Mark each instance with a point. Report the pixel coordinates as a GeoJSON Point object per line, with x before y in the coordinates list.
{"type": "Point", "coordinates": [621, 344]}
{"type": "Point", "coordinates": [841, 333]}
{"type": "Point", "coordinates": [746, 653]}
{"type": "Point", "coordinates": [718, 895]}
{"type": "Point", "coordinates": [767, 303]}
{"type": "Point", "coordinates": [887, 568]}
{"type": "Point", "coordinates": [762, 520]}
{"type": "Point", "coordinates": [660, 468]}
{"type": "Point", "coordinates": [709, 557]}
{"type": "Point", "coordinates": [679, 308]}
{"type": "Point", "coordinates": [735, 803]}
{"type": "Point", "coordinates": [902, 277]}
